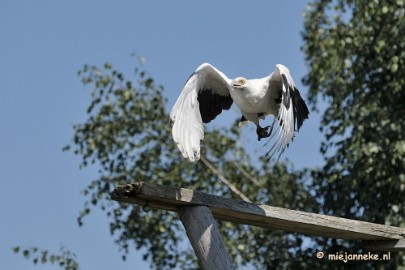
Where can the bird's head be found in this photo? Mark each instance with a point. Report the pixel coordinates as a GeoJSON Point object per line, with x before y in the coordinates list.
{"type": "Point", "coordinates": [239, 82]}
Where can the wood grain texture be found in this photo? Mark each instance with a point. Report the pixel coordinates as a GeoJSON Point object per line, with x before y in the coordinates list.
{"type": "Point", "coordinates": [276, 218]}
{"type": "Point", "coordinates": [204, 237]}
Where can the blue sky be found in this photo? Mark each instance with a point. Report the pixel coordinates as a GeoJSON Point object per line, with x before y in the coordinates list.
{"type": "Point", "coordinates": [44, 43]}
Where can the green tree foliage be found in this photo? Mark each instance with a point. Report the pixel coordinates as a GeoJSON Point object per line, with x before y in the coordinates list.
{"type": "Point", "coordinates": [128, 136]}
{"type": "Point", "coordinates": [65, 259]}
{"type": "Point", "coordinates": [355, 51]}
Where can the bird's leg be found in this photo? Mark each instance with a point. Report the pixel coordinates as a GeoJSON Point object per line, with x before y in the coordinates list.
{"type": "Point", "coordinates": [263, 132]}
{"type": "Point", "coordinates": [242, 119]}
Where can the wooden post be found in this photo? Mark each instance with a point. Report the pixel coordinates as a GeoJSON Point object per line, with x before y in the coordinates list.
{"type": "Point", "coordinates": [205, 238]}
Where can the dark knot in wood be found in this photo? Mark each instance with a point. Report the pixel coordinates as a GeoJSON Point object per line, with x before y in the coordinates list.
{"type": "Point", "coordinates": [129, 190]}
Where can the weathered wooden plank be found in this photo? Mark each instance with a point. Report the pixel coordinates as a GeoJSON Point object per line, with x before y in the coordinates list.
{"type": "Point", "coordinates": [204, 236]}
{"type": "Point", "coordinates": [170, 198]}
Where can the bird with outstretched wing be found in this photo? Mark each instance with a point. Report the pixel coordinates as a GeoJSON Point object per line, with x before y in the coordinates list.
{"type": "Point", "coordinates": [208, 92]}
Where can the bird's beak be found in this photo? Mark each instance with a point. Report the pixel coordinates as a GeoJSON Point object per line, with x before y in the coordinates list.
{"type": "Point", "coordinates": [239, 82]}
{"type": "Point", "coordinates": [235, 83]}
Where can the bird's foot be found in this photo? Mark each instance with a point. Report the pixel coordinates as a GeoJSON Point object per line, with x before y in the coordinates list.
{"type": "Point", "coordinates": [263, 132]}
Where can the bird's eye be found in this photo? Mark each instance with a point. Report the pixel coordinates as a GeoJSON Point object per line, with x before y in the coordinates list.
{"type": "Point", "coordinates": [241, 81]}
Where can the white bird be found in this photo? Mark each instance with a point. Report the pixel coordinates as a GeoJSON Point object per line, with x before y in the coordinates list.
{"type": "Point", "coordinates": [208, 91]}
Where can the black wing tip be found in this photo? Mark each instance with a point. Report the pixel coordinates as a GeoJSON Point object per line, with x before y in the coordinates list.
{"type": "Point", "coordinates": [301, 111]}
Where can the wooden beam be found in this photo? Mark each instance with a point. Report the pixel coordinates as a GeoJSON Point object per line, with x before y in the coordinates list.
{"type": "Point", "coordinates": [205, 238]}
{"type": "Point", "coordinates": [386, 245]}
{"type": "Point", "coordinates": [276, 218]}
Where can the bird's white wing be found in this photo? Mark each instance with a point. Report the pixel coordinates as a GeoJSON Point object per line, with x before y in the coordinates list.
{"type": "Point", "coordinates": [204, 96]}
{"type": "Point", "coordinates": [292, 109]}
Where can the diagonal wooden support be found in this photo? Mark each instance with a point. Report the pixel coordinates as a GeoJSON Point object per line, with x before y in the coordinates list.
{"type": "Point", "coordinates": [379, 237]}
{"type": "Point", "coordinates": [205, 238]}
